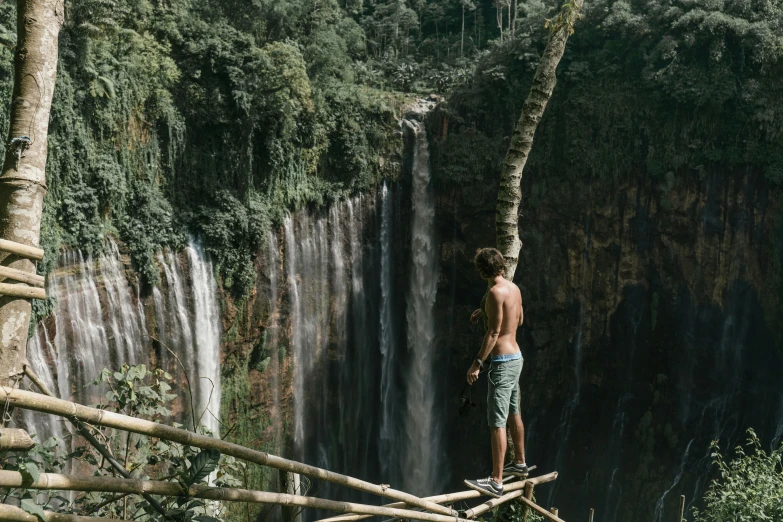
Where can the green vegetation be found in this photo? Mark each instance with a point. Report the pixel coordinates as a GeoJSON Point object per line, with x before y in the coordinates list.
{"type": "Point", "coordinates": [215, 118]}
{"type": "Point", "coordinates": [749, 487]}
{"type": "Point", "coordinates": [654, 88]}
{"type": "Point", "coordinates": [136, 392]}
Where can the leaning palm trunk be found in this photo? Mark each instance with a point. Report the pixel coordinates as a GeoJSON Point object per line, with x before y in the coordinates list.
{"type": "Point", "coordinates": [544, 80]}
{"type": "Point", "coordinates": [23, 179]}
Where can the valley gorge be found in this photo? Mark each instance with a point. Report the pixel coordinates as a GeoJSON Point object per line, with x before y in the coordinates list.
{"type": "Point", "coordinates": [278, 205]}
{"type": "Point", "coordinates": [647, 335]}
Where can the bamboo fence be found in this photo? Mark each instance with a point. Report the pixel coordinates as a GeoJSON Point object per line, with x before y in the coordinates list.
{"type": "Point", "coordinates": [41, 403]}
{"type": "Point", "coordinates": [55, 481]}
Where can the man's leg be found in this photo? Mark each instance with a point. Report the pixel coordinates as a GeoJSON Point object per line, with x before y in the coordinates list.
{"type": "Point", "coordinates": [498, 453]}
{"type": "Point", "coordinates": [518, 437]}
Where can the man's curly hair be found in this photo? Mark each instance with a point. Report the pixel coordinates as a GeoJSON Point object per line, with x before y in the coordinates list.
{"type": "Point", "coordinates": [489, 262]}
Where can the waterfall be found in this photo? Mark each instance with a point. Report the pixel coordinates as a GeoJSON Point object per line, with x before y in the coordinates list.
{"type": "Point", "coordinates": [388, 437]}
{"type": "Point", "coordinates": [207, 340]}
{"type": "Point", "coordinates": [658, 516]}
{"type": "Point", "coordinates": [42, 356]}
{"type": "Point", "coordinates": [100, 322]}
{"type": "Point", "coordinates": [422, 453]}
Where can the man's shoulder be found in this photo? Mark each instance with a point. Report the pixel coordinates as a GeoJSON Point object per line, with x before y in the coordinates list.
{"type": "Point", "coordinates": [499, 290]}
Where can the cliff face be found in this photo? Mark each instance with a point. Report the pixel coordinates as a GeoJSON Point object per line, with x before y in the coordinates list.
{"type": "Point", "coordinates": [650, 330]}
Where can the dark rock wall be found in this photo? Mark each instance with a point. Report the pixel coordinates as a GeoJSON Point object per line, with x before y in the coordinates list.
{"type": "Point", "coordinates": [649, 331]}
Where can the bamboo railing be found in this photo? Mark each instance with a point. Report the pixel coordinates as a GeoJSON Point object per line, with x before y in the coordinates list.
{"type": "Point", "coordinates": [56, 481]}
{"type": "Point", "coordinates": [42, 403]}
{"type": "Point", "coordinates": [403, 509]}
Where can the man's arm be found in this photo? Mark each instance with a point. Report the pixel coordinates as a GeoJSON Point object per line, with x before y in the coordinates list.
{"type": "Point", "coordinates": [495, 321]}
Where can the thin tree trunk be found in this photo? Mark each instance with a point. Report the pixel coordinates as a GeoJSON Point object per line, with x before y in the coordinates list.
{"type": "Point", "coordinates": [23, 178]}
{"type": "Point", "coordinates": [544, 80]}
{"type": "Point", "coordinates": [462, 39]}
{"type": "Point", "coordinates": [509, 17]}
{"type": "Point", "coordinates": [514, 25]}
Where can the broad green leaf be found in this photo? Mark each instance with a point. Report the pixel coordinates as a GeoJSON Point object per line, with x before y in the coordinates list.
{"type": "Point", "coordinates": [203, 464]}
{"type": "Point", "coordinates": [30, 473]}
{"type": "Point", "coordinates": [34, 509]}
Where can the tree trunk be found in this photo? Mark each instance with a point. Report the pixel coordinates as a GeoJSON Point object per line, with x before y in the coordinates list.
{"type": "Point", "coordinates": [23, 179]}
{"type": "Point", "coordinates": [462, 39]}
{"type": "Point", "coordinates": [499, 13]}
{"type": "Point", "coordinates": [544, 80]}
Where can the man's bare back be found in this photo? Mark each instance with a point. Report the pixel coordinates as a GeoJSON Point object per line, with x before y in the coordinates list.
{"type": "Point", "coordinates": [504, 309]}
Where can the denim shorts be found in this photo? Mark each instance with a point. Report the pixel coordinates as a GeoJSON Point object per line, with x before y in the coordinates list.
{"type": "Point", "coordinates": [503, 391]}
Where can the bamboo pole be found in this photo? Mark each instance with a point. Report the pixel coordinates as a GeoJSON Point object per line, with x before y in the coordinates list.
{"type": "Point", "coordinates": [681, 511]}
{"type": "Point", "coordinates": [592, 515]}
{"type": "Point", "coordinates": [15, 439]}
{"type": "Point", "coordinates": [492, 504]}
{"type": "Point", "coordinates": [529, 496]}
{"type": "Point", "coordinates": [42, 403]}
{"type": "Point", "coordinates": [541, 511]}
{"type": "Point", "coordinates": [15, 514]}
{"type": "Point", "coordinates": [55, 481]}
{"type": "Point", "coordinates": [554, 511]}
{"type": "Point", "coordinates": [26, 292]}
{"type": "Point", "coordinates": [20, 275]}
{"type": "Point", "coordinates": [453, 497]}
{"type": "Point", "coordinates": [21, 250]}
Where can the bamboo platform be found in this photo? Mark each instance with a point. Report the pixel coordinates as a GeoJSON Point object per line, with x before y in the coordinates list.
{"type": "Point", "coordinates": [430, 509]}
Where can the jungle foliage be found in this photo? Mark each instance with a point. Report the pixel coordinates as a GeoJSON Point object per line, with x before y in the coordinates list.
{"type": "Point", "coordinates": [749, 486]}
{"type": "Point", "coordinates": [646, 88]}
{"type": "Point", "coordinates": [137, 392]}
{"type": "Point", "coordinates": [215, 118]}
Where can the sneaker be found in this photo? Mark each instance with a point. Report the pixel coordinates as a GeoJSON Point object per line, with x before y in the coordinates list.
{"type": "Point", "coordinates": [486, 486]}
{"type": "Point", "coordinates": [516, 470]}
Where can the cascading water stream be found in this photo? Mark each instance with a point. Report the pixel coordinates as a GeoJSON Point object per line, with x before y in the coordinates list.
{"type": "Point", "coordinates": [100, 322]}
{"type": "Point", "coordinates": [207, 340]}
{"type": "Point", "coordinates": [389, 406]}
{"type": "Point", "coordinates": [422, 454]}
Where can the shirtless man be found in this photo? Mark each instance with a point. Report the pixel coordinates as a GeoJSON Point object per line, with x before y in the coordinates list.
{"type": "Point", "coordinates": [503, 311]}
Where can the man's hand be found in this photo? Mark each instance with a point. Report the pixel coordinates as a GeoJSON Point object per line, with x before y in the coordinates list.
{"type": "Point", "coordinates": [473, 372]}
{"type": "Point", "coordinates": [475, 316]}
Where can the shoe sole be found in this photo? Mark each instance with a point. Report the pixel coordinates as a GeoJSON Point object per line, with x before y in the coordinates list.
{"type": "Point", "coordinates": [519, 474]}
{"type": "Point", "coordinates": [487, 492]}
